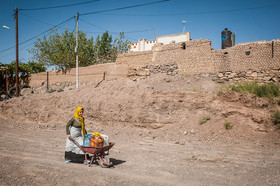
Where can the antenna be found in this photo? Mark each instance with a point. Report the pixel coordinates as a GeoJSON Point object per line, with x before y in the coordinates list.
{"type": "Point", "coordinates": [184, 26]}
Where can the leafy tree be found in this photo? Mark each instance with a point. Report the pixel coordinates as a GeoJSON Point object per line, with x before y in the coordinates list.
{"type": "Point", "coordinates": [104, 48]}
{"type": "Point", "coordinates": [24, 70]}
{"type": "Point", "coordinates": [107, 50]}
{"type": "Point", "coordinates": [121, 46]}
{"type": "Point", "coordinates": [59, 50]}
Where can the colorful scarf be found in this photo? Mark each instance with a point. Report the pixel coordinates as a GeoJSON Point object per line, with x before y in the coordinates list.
{"type": "Point", "coordinates": [76, 115]}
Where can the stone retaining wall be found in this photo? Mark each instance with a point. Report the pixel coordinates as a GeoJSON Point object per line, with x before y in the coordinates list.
{"type": "Point", "coordinates": [198, 57]}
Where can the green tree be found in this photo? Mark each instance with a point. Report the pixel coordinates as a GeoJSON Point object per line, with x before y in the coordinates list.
{"type": "Point", "coordinates": [104, 48]}
{"type": "Point", "coordinates": [24, 70]}
{"type": "Point", "coordinates": [59, 50]}
{"type": "Point", "coordinates": [107, 50]}
{"type": "Point", "coordinates": [121, 45]}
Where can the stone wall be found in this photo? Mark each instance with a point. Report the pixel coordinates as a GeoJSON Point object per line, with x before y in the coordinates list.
{"type": "Point", "coordinates": [198, 57]}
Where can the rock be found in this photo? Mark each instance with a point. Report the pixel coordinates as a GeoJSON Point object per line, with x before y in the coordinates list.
{"type": "Point", "coordinates": [26, 91]}
{"type": "Point", "coordinates": [220, 75]}
{"type": "Point", "coordinates": [254, 75]}
{"type": "Point", "coordinates": [267, 78]}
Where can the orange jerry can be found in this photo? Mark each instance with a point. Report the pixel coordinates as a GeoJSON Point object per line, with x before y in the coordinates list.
{"type": "Point", "coordinates": [96, 141]}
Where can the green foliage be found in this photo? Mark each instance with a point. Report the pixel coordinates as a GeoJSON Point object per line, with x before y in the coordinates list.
{"type": "Point", "coordinates": [204, 119]}
{"type": "Point", "coordinates": [220, 81]}
{"type": "Point", "coordinates": [59, 49]}
{"type": "Point", "coordinates": [50, 90]}
{"type": "Point", "coordinates": [228, 125]}
{"type": "Point", "coordinates": [60, 90]}
{"type": "Point", "coordinates": [24, 70]}
{"type": "Point", "coordinates": [275, 117]}
{"type": "Point", "coordinates": [266, 90]}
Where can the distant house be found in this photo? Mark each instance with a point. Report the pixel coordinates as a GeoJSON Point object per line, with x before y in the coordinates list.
{"type": "Point", "coordinates": [143, 45]}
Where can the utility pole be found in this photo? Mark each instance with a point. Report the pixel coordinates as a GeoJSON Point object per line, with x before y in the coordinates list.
{"type": "Point", "coordinates": [17, 83]}
{"type": "Point", "coordinates": [76, 51]}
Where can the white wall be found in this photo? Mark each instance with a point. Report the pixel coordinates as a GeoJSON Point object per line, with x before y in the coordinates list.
{"type": "Point", "coordinates": [175, 37]}
{"type": "Point", "coordinates": [143, 45]}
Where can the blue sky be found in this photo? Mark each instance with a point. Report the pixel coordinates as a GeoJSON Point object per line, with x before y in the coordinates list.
{"type": "Point", "coordinates": [251, 20]}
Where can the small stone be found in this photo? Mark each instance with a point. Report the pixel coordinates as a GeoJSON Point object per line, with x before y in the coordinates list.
{"type": "Point", "coordinates": [192, 132]}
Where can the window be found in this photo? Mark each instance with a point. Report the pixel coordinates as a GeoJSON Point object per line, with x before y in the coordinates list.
{"type": "Point", "coordinates": [183, 46]}
{"type": "Point", "coordinates": [247, 53]}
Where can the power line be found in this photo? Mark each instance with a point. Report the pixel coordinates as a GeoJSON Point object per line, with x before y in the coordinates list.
{"type": "Point", "coordinates": [36, 35]}
{"type": "Point", "coordinates": [122, 8]}
{"type": "Point", "coordinates": [199, 13]}
{"type": "Point", "coordinates": [61, 6]}
{"type": "Point", "coordinates": [39, 21]}
{"type": "Point", "coordinates": [115, 33]}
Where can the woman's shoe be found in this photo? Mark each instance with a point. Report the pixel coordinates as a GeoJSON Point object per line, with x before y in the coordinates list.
{"type": "Point", "coordinates": [67, 161]}
{"type": "Point", "coordinates": [86, 162]}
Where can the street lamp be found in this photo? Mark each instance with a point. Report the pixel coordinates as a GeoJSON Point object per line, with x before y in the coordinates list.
{"type": "Point", "coordinates": [16, 17]}
{"type": "Point", "coordinates": [4, 26]}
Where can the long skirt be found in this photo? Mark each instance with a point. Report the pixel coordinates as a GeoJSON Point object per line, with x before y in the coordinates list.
{"type": "Point", "coordinates": [72, 152]}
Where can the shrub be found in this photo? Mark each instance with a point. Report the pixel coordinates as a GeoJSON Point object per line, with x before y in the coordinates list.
{"type": "Point", "coordinates": [228, 125]}
{"type": "Point", "coordinates": [60, 90]}
{"type": "Point", "coordinates": [204, 119]}
{"type": "Point", "coordinates": [275, 117]}
{"type": "Point", "coordinates": [50, 90]}
{"type": "Point", "coordinates": [267, 90]}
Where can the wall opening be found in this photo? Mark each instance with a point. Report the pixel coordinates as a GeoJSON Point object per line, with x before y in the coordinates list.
{"type": "Point", "coordinates": [183, 46]}
{"type": "Point", "coordinates": [248, 53]}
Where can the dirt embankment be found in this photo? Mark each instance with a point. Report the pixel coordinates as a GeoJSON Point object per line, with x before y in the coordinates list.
{"type": "Point", "coordinates": [156, 124]}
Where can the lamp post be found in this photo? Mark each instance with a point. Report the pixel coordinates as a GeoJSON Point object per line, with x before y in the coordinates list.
{"type": "Point", "coordinates": [16, 17]}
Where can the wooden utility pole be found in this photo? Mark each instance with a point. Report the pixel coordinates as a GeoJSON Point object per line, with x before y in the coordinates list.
{"type": "Point", "coordinates": [7, 82]}
{"type": "Point", "coordinates": [76, 51]}
{"type": "Point", "coordinates": [17, 82]}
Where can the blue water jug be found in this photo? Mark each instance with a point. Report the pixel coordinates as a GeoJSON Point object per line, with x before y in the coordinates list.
{"type": "Point", "coordinates": [86, 142]}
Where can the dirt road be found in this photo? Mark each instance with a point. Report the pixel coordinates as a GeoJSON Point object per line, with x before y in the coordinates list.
{"type": "Point", "coordinates": [33, 156]}
{"type": "Point", "coordinates": [155, 123]}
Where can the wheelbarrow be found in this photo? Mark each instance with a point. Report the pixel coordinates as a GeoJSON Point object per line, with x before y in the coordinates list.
{"type": "Point", "coordinates": [97, 154]}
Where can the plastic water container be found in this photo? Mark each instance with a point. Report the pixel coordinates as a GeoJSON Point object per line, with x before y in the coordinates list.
{"type": "Point", "coordinates": [105, 140]}
{"type": "Point", "coordinates": [86, 141]}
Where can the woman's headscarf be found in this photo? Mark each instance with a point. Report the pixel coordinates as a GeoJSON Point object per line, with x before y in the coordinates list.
{"type": "Point", "coordinates": [76, 115]}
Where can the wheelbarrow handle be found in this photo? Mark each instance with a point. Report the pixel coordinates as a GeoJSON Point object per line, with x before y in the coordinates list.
{"type": "Point", "coordinates": [72, 139]}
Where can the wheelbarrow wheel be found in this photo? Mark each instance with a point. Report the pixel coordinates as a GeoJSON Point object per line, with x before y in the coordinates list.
{"type": "Point", "coordinates": [105, 163]}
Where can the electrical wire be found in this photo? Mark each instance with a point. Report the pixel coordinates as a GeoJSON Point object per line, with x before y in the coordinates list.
{"type": "Point", "coordinates": [37, 35]}
{"type": "Point", "coordinates": [61, 6]}
{"type": "Point", "coordinates": [199, 13]}
{"type": "Point", "coordinates": [122, 8]}
{"type": "Point", "coordinates": [115, 33]}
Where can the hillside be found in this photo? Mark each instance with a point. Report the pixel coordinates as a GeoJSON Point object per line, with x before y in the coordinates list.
{"type": "Point", "coordinates": [148, 114]}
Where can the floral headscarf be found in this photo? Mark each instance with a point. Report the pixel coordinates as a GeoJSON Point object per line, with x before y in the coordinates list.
{"type": "Point", "coordinates": [76, 115]}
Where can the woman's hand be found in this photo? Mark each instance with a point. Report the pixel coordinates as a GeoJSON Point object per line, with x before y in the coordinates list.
{"type": "Point", "coordinates": [68, 136]}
